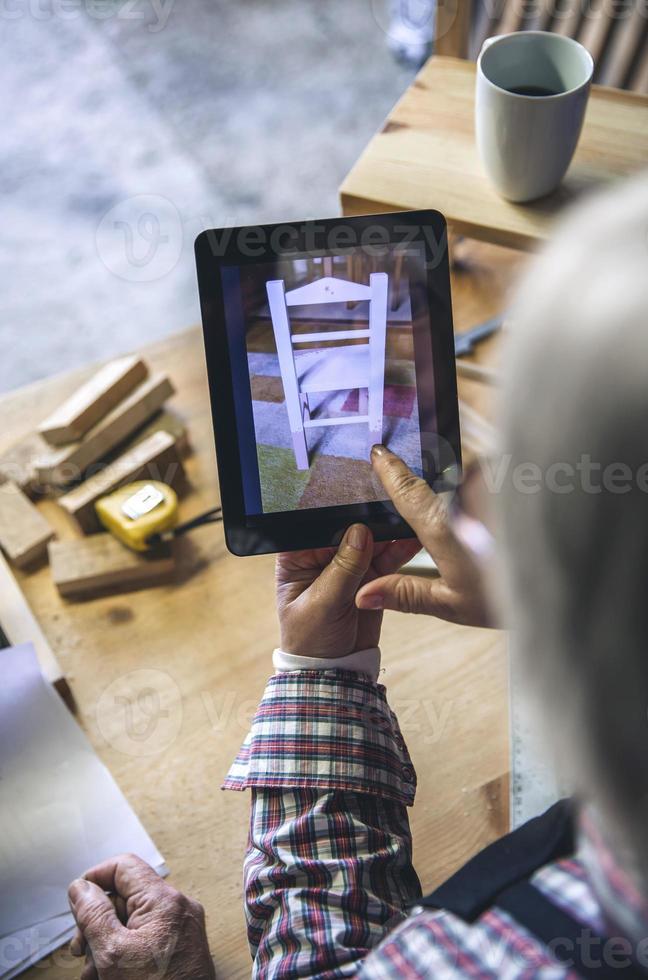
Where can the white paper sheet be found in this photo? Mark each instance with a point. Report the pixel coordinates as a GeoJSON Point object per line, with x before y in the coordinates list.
{"type": "Point", "coordinates": [60, 809]}
{"type": "Point", "coordinates": [24, 948]}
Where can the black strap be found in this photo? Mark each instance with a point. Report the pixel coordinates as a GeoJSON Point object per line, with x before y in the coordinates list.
{"type": "Point", "coordinates": [575, 945]}
{"type": "Point", "coordinates": [498, 877]}
{"type": "Point", "coordinates": [513, 858]}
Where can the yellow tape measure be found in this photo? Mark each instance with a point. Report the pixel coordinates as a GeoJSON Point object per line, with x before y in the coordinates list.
{"type": "Point", "coordinates": [139, 511]}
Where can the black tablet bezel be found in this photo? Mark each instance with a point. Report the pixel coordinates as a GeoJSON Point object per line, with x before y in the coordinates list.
{"type": "Point", "coordinates": [314, 528]}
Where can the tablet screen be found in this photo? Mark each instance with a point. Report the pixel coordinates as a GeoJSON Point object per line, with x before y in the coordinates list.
{"type": "Point", "coordinates": [330, 354]}
{"type": "Point", "coordinates": [316, 351]}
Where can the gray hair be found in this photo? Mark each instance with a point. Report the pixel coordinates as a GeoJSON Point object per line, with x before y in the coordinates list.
{"type": "Point", "coordinates": [575, 407]}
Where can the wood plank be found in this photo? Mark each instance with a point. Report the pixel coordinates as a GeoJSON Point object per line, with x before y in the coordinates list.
{"type": "Point", "coordinates": [639, 81]}
{"type": "Point", "coordinates": [426, 157]}
{"type": "Point", "coordinates": [18, 462]}
{"type": "Point", "coordinates": [595, 29]}
{"type": "Point", "coordinates": [316, 423]}
{"type": "Point", "coordinates": [487, 15]}
{"type": "Point", "coordinates": [567, 21]}
{"type": "Point", "coordinates": [476, 432]}
{"type": "Point", "coordinates": [466, 369]}
{"type": "Point", "coordinates": [327, 290]}
{"type": "Point", "coordinates": [329, 335]}
{"type": "Point", "coordinates": [24, 532]}
{"type": "Point", "coordinates": [20, 626]}
{"type": "Point", "coordinates": [99, 565]}
{"type": "Point", "coordinates": [166, 421]}
{"type": "Point", "coordinates": [628, 40]}
{"type": "Point", "coordinates": [452, 27]}
{"type": "Point", "coordinates": [542, 16]}
{"type": "Point", "coordinates": [512, 18]}
{"type": "Point", "coordinates": [155, 458]}
{"type": "Point", "coordinates": [93, 400]}
{"type": "Point", "coordinates": [68, 464]}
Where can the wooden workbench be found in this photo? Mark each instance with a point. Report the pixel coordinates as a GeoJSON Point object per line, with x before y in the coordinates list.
{"type": "Point", "coordinates": [425, 157]}
{"type": "Point", "coordinates": [208, 641]}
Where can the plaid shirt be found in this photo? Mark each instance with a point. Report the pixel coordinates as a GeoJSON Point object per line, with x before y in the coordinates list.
{"type": "Point", "coordinates": [329, 879]}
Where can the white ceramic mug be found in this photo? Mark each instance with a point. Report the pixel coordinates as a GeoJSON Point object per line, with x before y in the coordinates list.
{"type": "Point", "coordinates": [526, 141]}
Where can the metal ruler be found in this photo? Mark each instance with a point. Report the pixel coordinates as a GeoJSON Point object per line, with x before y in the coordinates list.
{"type": "Point", "coordinates": [534, 785]}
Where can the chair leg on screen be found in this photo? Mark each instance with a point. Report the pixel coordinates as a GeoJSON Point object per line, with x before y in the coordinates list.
{"type": "Point", "coordinates": [375, 437]}
{"type": "Point", "coordinates": [301, 450]}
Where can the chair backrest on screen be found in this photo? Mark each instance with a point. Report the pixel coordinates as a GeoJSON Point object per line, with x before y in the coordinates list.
{"type": "Point", "coordinates": [324, 291]}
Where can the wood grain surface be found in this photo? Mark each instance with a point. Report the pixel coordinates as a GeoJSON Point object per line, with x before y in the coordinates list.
{"type": "Point", "coordinates": [205, 645]}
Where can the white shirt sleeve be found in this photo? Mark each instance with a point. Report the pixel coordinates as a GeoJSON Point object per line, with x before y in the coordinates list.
{"type": "Point", "coordinates": [362, 661]}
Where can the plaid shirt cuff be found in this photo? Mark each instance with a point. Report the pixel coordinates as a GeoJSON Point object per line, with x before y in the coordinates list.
{"type": "Point", "coordinates": [328, 730]}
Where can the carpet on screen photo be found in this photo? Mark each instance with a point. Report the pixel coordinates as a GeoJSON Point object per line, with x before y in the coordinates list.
{"type": "Point", "coordinates": [339, 470]}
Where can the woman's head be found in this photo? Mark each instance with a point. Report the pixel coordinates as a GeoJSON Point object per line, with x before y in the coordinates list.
{"type": "Point", "coordinates": [575, 504]}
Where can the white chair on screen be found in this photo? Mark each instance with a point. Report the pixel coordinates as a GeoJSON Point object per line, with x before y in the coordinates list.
{"type": "Point", "coordinates": [319, 369]}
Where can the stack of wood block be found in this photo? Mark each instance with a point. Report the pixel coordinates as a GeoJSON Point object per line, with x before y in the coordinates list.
{"type": "Point", "coordinates": [113, 430]}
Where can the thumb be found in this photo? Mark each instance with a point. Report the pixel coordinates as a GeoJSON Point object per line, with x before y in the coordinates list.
{"type": "Point", "coordinates": [342, 577]}
{"type": "Point", "coordinates": [94, 913]}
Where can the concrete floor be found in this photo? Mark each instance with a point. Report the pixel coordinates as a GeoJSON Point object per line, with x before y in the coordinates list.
{"type": "Point", "coordinates": [127, 128]}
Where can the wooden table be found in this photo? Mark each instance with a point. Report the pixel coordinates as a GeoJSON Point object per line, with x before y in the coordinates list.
{"type": "Point", "coordinates": [208, 641]}
{"type": "Point", "coordinates": [425, 157]}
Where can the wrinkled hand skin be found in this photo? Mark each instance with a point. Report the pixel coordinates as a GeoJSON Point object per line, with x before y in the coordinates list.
{"type": "Point", "coordinates": [330, 603]}
{"type": "Point", "coordinates": [457, 594]}
{"type": "Point", "coordinates": [143, 929]}
{"type": "Point", "coordinates": [316, 593]}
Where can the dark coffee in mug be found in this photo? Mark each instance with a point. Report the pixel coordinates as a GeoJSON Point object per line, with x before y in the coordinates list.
{"type": "Point", "coordinates": [536, 91]}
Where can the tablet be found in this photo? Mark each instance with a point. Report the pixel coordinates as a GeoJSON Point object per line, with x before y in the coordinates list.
{"type": "Point", "coordinates": [323, 338]}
